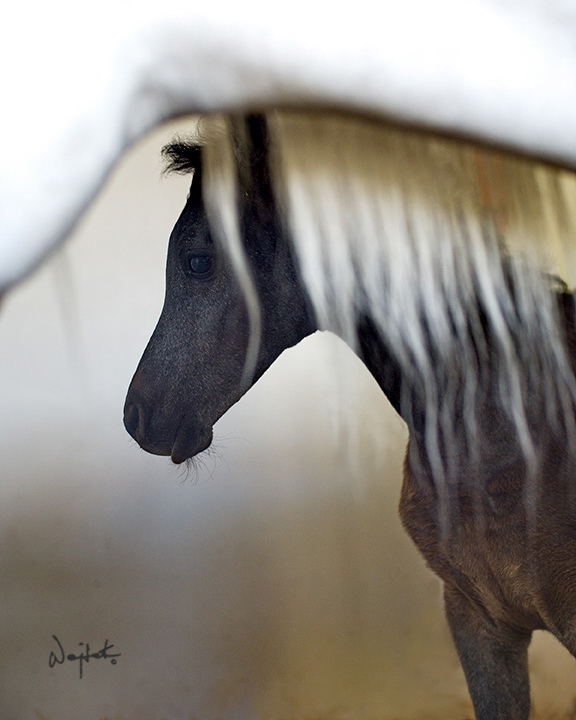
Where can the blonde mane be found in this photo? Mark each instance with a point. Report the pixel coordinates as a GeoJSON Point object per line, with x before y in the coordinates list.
{"type": "Point", "coordinates": [448, 248]}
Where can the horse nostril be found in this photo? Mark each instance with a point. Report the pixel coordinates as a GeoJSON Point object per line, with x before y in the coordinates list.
{"type": "Point", "coordinates": [131, 418]}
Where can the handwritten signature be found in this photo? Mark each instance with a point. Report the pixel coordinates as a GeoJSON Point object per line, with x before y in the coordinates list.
{"type": "Point", "coordinates": [59, 657]}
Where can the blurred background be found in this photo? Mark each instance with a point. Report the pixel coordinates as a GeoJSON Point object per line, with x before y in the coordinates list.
{"type": "Point", "coordinates": [273, 581]}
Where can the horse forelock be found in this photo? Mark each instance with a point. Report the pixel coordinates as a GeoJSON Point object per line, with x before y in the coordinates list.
{"type": "Point", "coordinates": [181, 156]}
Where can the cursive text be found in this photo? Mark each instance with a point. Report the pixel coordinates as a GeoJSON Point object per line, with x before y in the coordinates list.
{"type": "Point", "coordinates": [59, 657]}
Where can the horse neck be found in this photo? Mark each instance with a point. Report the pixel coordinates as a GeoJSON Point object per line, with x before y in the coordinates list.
{"type": "Point", "coordinates": [380, 362]}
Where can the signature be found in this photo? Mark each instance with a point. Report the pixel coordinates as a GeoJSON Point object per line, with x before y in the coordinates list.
{"type": "Point", "coordinates": [59, 657]}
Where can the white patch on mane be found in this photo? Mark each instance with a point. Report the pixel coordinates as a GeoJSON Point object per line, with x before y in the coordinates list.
{"type": "Point", "coordinates": [417, 231]}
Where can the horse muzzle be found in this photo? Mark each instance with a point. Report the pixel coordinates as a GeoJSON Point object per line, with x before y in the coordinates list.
{"type": "Point", "coordinates": [180, 440]}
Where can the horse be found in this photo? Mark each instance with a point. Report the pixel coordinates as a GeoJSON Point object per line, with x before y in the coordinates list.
{"type": "Point", "coordinates": [491, 513]}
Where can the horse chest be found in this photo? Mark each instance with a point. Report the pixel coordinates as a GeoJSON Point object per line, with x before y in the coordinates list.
{"type": "Point", "coordinates": [482, 548]}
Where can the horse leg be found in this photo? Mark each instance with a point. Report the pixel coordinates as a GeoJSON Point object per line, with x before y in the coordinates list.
{"type": "Point", "coordinates": [495, 660]}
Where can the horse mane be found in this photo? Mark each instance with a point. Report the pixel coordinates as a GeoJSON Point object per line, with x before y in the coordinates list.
{"type": "Point", "coordinates": [447, 247]}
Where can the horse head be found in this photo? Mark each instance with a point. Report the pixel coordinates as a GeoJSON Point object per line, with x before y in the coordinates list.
{"type": "Point", "coordinates": [198, 362]}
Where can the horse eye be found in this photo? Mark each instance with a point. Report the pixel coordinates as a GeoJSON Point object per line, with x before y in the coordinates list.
{"type": "Point", "coordinates": [200, 266]}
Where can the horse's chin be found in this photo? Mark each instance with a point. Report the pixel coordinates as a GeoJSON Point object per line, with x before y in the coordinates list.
{"type": "Point", "coordinates": [185, 447]}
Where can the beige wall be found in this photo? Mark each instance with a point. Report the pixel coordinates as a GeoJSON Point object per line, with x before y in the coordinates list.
{"type": "Point", "coordinates": [275, 583]}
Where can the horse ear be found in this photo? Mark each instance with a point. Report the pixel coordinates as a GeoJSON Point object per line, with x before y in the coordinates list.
{"type": "Point", "coordinates": [258, 158]}
{"type": "Point", "coordinates": [258, 207]}
{"type": "Point", "coordinates": [257, 132]}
